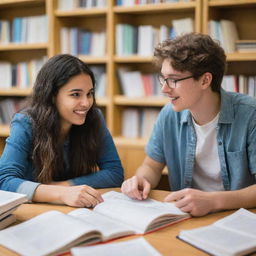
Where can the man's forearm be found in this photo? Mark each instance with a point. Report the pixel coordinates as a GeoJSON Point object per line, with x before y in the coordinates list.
{"type": "Point", "coordinates": [243, 198]}
{"type": "Point", "coordinates": [153, 177]}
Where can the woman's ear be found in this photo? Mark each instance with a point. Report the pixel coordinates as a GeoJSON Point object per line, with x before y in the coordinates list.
{"type": "Point", "coordinates": [206, 80]}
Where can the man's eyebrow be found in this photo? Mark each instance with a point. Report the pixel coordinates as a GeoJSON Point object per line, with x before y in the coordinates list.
{"type": "Point", "coordinates": [170, 75]}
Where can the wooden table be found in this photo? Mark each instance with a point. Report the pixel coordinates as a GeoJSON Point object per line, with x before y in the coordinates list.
{"type": "Point", "coordinates": [163, 240]}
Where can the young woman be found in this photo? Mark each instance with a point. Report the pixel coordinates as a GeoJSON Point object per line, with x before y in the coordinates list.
{"type": "Point", "coordinates": [59, 147]}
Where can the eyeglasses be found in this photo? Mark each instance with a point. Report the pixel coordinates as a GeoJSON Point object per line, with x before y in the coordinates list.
{"type": "Point", "coordinates": [171, 83]}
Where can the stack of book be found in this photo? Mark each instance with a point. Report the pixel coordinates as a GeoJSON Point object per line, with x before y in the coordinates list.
{"type": "Point", "coordinates": [9, 201]}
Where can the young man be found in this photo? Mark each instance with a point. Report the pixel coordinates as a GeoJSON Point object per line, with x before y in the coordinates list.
{"type": "Point", "coordinates": [206, 136]}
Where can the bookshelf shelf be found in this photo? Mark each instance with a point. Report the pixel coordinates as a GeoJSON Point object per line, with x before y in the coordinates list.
{"type": "Point", "coordinates": [4, 130]}
{"type": "Point", "coordinates": [248, 56]}
{"type": "Point", "coordinates": [15, 92]}
{"type": "Point", "coordinates": [145, 101]}
{"type": "Point", "coordinates": [8, 3]}
{"type": "Point", "coordinates": [93, 60]}
{"type": "Point", "coordinates": [22, 47]}
{"type": "Point", "coordinates": [216, 3]}
{"type": "Point", "coordinates": [130, 143]}
{"type": "Point", "coordinates": [133, 59]}
{"type": "Point", "coordinates": [154, 8]}
{"type": "Point", "coordinates": [102, 102]}
{"type": "Point", "coordinates": [81, 12]}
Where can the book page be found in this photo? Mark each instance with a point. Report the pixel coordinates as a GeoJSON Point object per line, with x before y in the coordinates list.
{"type": "Point", "coordinates": [109, 228]}
{"type": "Point", "coordinates": [241, 221]}
{"type": "Point", "coordinates": [47, 233]}
{"type": "Point", "coordinates": [138, 214]}
{"type": "Point", "coordinates": [218, 241]}
{"type": "Point", "coordinates": [231, 235]}
{"type": "Point", "coordinates": [135, 247]}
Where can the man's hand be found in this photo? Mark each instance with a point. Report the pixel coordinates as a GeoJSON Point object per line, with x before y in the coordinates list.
{"type": "Point", "coordinates": [136, 187]}
{"type": "Point", "coordinates": [193, 201]}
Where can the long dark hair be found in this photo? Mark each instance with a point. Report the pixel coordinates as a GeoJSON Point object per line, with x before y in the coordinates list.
{"type": "Point", "coordinates": [84, 140]}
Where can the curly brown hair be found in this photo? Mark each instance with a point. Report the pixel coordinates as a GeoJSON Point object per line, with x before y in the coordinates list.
{"type": "Point", "coordinates": [196, 53]}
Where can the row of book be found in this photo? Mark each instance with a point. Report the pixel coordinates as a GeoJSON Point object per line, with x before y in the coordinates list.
{"type": "Point", "coordinates": [243, 84]}
{"type": "Point", "coordinates": [137, 84]}
{"type": "Point", "coordinates": [142, 39]}
{"type": "Point", "coordinates": [20, 75]}
{"type": "Point", "coordinates": [31, 29]}
{"type": "Point", "coordinates": [77, 41]}
{"type": "Point", "coordinates": [65, 5]}
{"type": "Point", "coordinates": [140, 2]}
{"type": "Point", "coordinates": [138, 122]}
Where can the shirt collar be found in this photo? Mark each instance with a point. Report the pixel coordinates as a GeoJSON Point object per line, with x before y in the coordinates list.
{"type": "Point", "coordinates": [226, 110]}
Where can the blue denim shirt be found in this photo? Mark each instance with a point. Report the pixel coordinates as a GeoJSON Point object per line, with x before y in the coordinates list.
{"type": "Point", "coordinates": [16, 167]}
{"type": "Point", "coordinates": [173, 142]}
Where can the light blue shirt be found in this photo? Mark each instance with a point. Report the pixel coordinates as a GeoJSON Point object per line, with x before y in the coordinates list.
{"type": "Point", "coordinates": [17, 171]}
{"type": "Point", "coordinates": [173, 142]}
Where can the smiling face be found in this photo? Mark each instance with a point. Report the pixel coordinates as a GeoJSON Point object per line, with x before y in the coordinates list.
{"type": "Point", "coordinates": [74, 100]}
{"type": "Point", "coordinates": [187, 94]}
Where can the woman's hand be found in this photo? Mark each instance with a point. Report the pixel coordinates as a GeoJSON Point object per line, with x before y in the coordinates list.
{"type": "Point", "coordinates": [80, 196]}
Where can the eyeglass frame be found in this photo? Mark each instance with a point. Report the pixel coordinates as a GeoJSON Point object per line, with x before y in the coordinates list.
{"type": "Point", "coordinates": [174, 81]}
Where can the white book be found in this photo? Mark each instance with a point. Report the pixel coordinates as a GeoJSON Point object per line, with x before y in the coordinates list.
{"type": "Point", "coordinates": [131, 123]}
{"type": "Point", "coordinates": [242, 81]}
{"type": "Point", "coordinates": [64, 5]}
{"type": "Point", "coordinates": [229, 83]}
{"type": "Point", "coordinates": [145, 40]}
{"type": "Point", "coordinates": [65, 40]}
{"type": "Point", "coordinates": [5, 32]}
{"type": "Point", "coordinates": [5, 74]}
{"type": "Point", "coordinates": [163, 33]}
{"type": "Point", "coordinates": [182, 26]}
{"type": "Point", "coordinates": [149, 116]}
{"type": "Point", "coordinates": [135, 247]}
{"type": "Point", "coordinates": [251, 86]}
{"type": "Point", "coordinates": [117, 216]}
{"type": "Point", "coordinates": [230, 35]}
{"type": "Point", "coordinates": [10, 200]}
{"type": "Point", "coordinates": [233, 235]}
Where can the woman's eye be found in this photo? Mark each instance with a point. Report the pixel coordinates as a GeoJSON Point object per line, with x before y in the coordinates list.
{"type": "Point", "coordinates": [76, 94]}
{"type": "Point", "coordinates": [91, 93]}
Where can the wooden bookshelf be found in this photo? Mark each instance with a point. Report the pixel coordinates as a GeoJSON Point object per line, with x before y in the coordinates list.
{"type": "Point", "coordinates": [201, 11]}
{"type": "Point", "coordinates": [242, 13]}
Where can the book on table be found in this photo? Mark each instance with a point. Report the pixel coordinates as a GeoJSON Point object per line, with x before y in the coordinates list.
{"type": "Point", "coordinates": [134, 247]}
{"type": "Point", "coordinates": [9, 201]}
{"type": "Point", "coordinates": [117, 216]}
{"type": "Point", "coordinates": [233, 235]}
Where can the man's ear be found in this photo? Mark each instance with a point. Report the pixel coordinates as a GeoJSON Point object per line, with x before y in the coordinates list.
{"type": "Point", "coordinates": [206, 80]}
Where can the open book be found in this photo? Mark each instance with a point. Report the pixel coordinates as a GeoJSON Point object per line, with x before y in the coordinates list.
{"type": "Point", "coordinates": [9, 201]}
{"type": "Point", "coordinates": [231, 236]}
{"type": "Point", "coordinates": [117, 216]}
{"type": "Point", "coordinates": [134, 247]}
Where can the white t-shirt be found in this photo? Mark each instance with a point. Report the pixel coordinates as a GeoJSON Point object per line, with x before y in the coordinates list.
{"type": "Point", "coordinates": [206, 174]}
